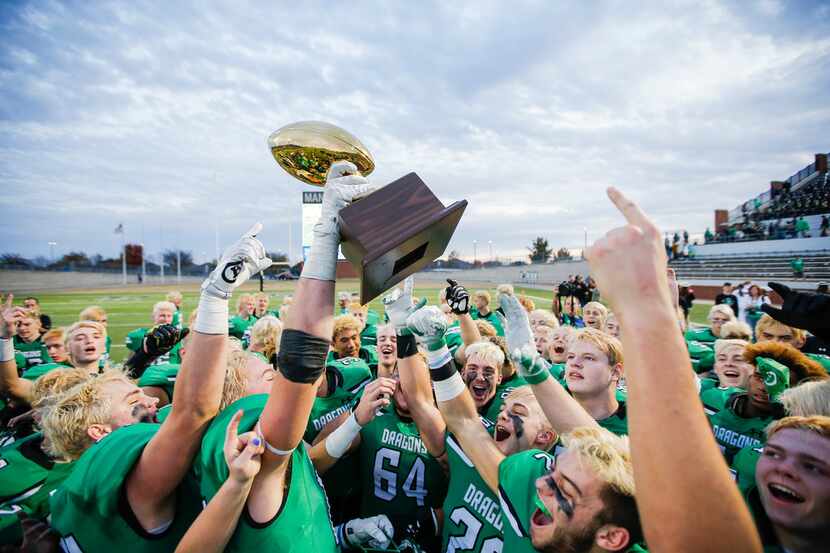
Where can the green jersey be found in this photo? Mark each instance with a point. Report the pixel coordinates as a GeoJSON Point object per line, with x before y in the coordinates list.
{"type": "Point", "coordinates": [743, 468]}
{"type": "Point", "coordinates": [702, 355]}
{"type": "Point", "coordinates": [714, 397]}
{"type": "Point", "coordinates": [302, 523]}
{"type": "Point", "coordinates": [39, 370]}
{"type": "Point", "coordinates": [618, 422]}
{"type": "Point", "coordinates": [33, 352]}
{"type": "Point", "coordinates": [517, 494]}
{"type": "Point", "coordinates": [494, 318]}
{"type": "Point", "coordinates": [453, 337]}
{"type": "Point", "coordinates": [241, 328]}
{"type": "Point", "coordinates": [369, 354]}
{"type": "Point", "coordinates": [472, 514]}
{"type": "Point", "coordinates": [161, 376]}
{"type": "Point", "coordinates": [398, 473]}
{"type": "Point", "coordinates": [24, 468]}
{"type": "Point", "coordinates": [700, 335]}
{"type": "Point", "coordinates": [89, 510]}
{"type": "Point", "coordinates": [507, 385]}
{"type": "Point", "coordinates": [822, 359]}
{"type": "Point", "coordinates": [177, 319]}
{"type": "Point", "coordinates": [369, 335]}
{"type": "Point", "coordinates": [135, 340]}
{"type": "Point", "coordinates": [351, 376]}
{"type": "Point", "coordinates": [734, 432]}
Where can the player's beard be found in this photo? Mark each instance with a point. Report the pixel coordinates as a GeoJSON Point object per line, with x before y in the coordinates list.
{"type": "Point", "coordinates": [572, 541]}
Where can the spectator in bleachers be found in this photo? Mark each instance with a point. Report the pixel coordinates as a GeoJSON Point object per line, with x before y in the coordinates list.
{"type": "Point", "coordinates": [824, 227]}
{"type": "Point", "coordinates": [797, 265]}
{"type": "Point", "coordinates": [802, 228]}
{"type": "Point", "coordinates": [708, 236]}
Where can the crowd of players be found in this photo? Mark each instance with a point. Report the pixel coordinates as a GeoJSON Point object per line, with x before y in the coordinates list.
{"type": "Point", "coordinates": [479, 424]}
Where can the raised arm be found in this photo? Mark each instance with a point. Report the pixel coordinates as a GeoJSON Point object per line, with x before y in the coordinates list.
{"type": "Point", "coordinates": [213, 528]}
{"type": "Point", "coordinates": [413, 373]}
{"type": "Point", "coordinates": [563, 412]}
{"type": "Point", "coordinates": [304, 345]}
{"type": "Point", "coordinates": [454, 400]}
{"type": "Point", "coordinates": [666, 420]}
{"type": "Point", "coordinates": [169, 455]}
{"type": "Point", "coordinates": [10, 381]}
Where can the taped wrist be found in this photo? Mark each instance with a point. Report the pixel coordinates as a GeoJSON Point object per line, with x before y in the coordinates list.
{"type": "Point", "coordinates": [338, 442]}
{"type": "Point", "coordinates": [407, 346]}
{"type": "Point", "coordinates": [302, 356]}
{"type": "Point", "coordinates": [211, 315]}
{"type": "Point", "coordinates": [437, 358]}
{"type": "Point", "coordinates": [537, 377]}
{"type": "Point", "coordinates": [6, 350]}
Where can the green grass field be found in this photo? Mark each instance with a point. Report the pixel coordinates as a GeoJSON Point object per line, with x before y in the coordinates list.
{"type": "Point", "coordinates": [130, 307]}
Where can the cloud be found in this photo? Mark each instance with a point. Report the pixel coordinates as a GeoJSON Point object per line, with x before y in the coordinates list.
{"type": "Point", "coordinates": [157, 114]}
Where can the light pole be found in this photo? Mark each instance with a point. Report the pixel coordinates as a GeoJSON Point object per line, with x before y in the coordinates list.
{"type": "Point", "coordinates": [475, 252]}
{"type": "Point", "coordinates": [585, 247]}
{"type": "Point", "coordinates": [490, 242]}
{"type": "Point", "coordinates": [52, 251]}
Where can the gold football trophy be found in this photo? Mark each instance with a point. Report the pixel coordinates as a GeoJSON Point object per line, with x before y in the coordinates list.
{"type": "Point", "coordinates": [390, 234]}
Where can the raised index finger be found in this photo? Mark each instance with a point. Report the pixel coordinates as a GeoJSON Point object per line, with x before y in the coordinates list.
{"type": "Point", "coordinates": [254, 230]}
{"type": "Point", "coordinates": [233, 427]}
{"type": "Point", "coordinates": [631, 211]}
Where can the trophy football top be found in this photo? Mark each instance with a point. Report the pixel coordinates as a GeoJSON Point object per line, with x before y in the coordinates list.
{"type": "Point", "coordinates": [307, 149]}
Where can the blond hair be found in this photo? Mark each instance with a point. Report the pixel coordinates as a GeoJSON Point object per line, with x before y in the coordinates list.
{"type": "Point", "coordinates": [607, 455]}
{"type": "Point", "coordinates": [59, 333]}
{"type": "Point", "coordinates": [163, 306]}
{"type": "Point", "coordinates": [724, 343]}
{"type": "Point", "coordinates": [66, 420]}
{"type": "Point", "coordinates": [548, 318]}
{"type": "Point", "coordinates": [487, 352]}
{"type": "Point", "coordinates": [765, 322]}
{"type": "Point", "coordinates": [482, 294]}
{"type": "Point", "coordinates": [173, 295]}
{"type": "Point", "coordinates": [242, 299]}
{"type": "Point", "coordinates": [817, 424]}
{"type": "Point", "coordinates": [736, 329]}
{"type": "Point", "coordinates": [355, 306]}
{"type": "Point", "coordinates": [265, 335]}
{"type": "Point", "coordinates": [607, 344]}
{"type": "Point", "coordinates": [527, 303]}
{"type": "Point", "coordinates": [75, 327]}
{"type": "Point", "coordinates": [343, 323]}
{"type": "Point", "coordinates": [47, 388]}
{"type": "Point", "coordinates": [807, 399]}
{"type": "Point", "coordinates": [233, 388]}
{"type": "Point", "coordinates": [723, 309]}
{"type": "Point", "coordinates": [31, 314]}
{"type": "Point", "coordinates": [92, 313]}
{"type": "Point", "coordinates": [525, 395]}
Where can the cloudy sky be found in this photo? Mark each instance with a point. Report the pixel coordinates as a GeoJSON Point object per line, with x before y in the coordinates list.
{"type": "Point", "coordinates": [155, 114]}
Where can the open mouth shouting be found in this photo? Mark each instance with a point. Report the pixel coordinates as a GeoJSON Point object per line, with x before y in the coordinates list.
{"type": "Point", "coordinates": [479, 390]}
{"type": "Point", "coordinates": [784, 494]}
{"type": "Point", "coordinates": [501, 433]}
{"type": "Point", "coordinates": [387, 349]}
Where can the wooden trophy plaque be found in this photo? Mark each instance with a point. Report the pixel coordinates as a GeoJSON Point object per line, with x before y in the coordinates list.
{"type": "Point", "coordinates": [396, 231]}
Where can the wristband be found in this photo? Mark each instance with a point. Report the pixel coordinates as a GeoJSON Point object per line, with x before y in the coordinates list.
{"type": "Point", "coordinates": [6, 350]}
{"type": "Point", "coordinates": [449, 388]}
{"type": "Point", "coordinates": [302, 357]}
{"type": "Point", "coordinates": [338, 442]}
{"type": "Point", "coordinates": [211, 315]}
{"type": "Point", "coordinates": [439, 357]}
{"type": "Point", "coordinates": [407, 345]}
{"type": "Point", "coordinates": [269, 447]}
{"type": "Point", "coordinates": [538, 377]}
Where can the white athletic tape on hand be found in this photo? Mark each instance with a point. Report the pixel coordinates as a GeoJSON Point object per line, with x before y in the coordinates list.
{"type": "Point", "coordinates": [6, 350]}
{"type": "Point", "coordinates": [448, 389]}
{"type": "Point", "coordinates": [338, 442]}
{"type": "Point", "coordinates": [211, 315]}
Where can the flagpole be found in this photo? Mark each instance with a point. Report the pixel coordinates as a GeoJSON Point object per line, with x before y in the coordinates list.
{"type": "Point", "coordinates": [123, 258]}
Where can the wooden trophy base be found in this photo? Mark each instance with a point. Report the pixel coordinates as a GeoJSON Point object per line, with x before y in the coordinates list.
{"type": "Point", "coordinates": [396, 231]}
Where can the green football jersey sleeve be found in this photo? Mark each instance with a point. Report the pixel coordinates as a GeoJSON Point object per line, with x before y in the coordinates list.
{"type": "Point", "coordinates": [701, 354]}
{"type": "Point", "coordinates": [453, 337]}
{"type": "Point", "coordinates": [90, 511]}
{"type": "Point", "coordinates": [714, 398]}
{"type": "Point", "coordinates": [161, 376]}
{"type": "Point", "coordinates": [177, 319]}
{"type": "Point", "coordinates": [369, 336]}
{"type": "Point", "coordinates": [34, 352]}
{"type": "Point", "coordinates": [743, 468]}
{"type": "Point", "coordinates": [39, 370]}
{"type": "Point", "coordinates": [241, 328]}
{"type": "Point", "coordinates": [517, 493]}
{"type": "Point", "coordinates": [399, 475]}
{"type": "Point", "coordinates": [733, 432]}
{"type": "Point", "coordinates": [502, 391]}
{"type": "Point", "coordinates": [618, 422]}
{"type": "Point", "coordinates": [700, 335]}
{"type": "Point", "coordinates": [472, 513]}
{"type": "Point", "coordinates": [302, 524]}
{"type": "Point", "coordinates": [353, 376]}
{"type": "Point", "coordinates": [23, 469]}
{"type": "Point", "coordinates": [135, 339]}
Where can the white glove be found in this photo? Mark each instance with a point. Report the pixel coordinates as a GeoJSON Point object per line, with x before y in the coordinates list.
{"type": "Point", "coordinates": [343, 186]}
{"type": "Point", "coordinates": [240, 261]}
{"type": "Point", "coordinates": [518, 333]}
{"type": "Point", "coordinates": [375, 532]}
{"type": "Point", "coordinates": [398, 305]}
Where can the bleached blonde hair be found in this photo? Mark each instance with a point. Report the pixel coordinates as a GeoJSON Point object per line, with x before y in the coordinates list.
{"type": "Point", "coordinates": [242, 299]}
{"type": "Point", "coordinates": [766, 321]}
{"type": "Point", "coordinates": [485, 328]}
{"type": "Point", "coordinates": [548, 318]}
{"type": "Point", "coordinates": [807, 399]}
{"type": "Point", "coordinates": [92, 313]}
{"type": "Point", "coordinates": [66, 420]}
{"type": "Point", "coordinates": [75, 327]}
{"type": "Point", "coordinates": [607, 455]}
{"type": "Point", "coordinates": [736, 329]}
{"type": "Point", "coordinates": [48, 387]}
{"type": "Point", "coordinates": [164, 306]}
{"type": "Point", "coordinates": [725, 343]}
{"type": "Point", "coordinates": [487, 352]}
{"type": "Point", "coordinates": [233, 388]}
{"type": "Point", "coordinates": [173, 296]}
{"type": "Point", "coordinates": [607, 344]}
{"type": "Point", "coordinates": [723, 309]}
{"type": "Point", "coordinates": [482, 294]}
{"type": "Point", "coordinates": [265, 335]}
{"type": "Point", "coordinates": [815, 424]}
{"type": "Point", "coordinates": [343, 323]}
{"type": "Point", "coordinates": [58, 332]}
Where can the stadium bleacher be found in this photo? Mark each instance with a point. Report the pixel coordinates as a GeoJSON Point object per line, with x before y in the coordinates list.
{"type": "Point", "coordinates": [753, 266]}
